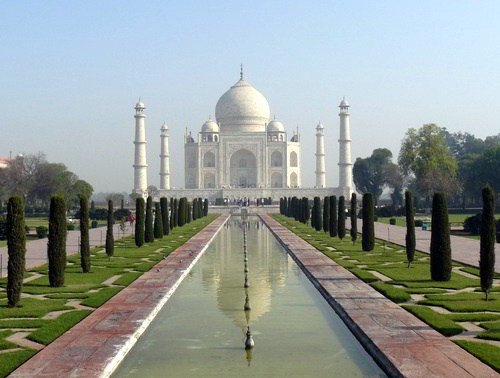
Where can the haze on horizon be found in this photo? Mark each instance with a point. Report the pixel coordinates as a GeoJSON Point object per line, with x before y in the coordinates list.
{"type": "Point", "coordinates": [72, 73]}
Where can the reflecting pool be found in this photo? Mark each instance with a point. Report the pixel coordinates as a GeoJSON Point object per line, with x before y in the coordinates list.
{"type": "Point", "coordinates": [201, 329]}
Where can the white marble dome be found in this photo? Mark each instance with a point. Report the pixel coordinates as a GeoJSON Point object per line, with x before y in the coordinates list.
{"type": "Point", "coordinates": [242, 109]}
{"type": "Point", "coordinates": [275, 126]}
{"type": "Point", "coordinates": [210, 127]}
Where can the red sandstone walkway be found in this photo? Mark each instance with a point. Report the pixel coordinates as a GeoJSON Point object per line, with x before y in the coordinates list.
{"type": "Point", "coordinates": [399, 342]}
{"type": "Point", "coordinates": [36, 250]}
{"type": "Point", "coordinates": [464, 250]}
{"type": "Point", "coordinates": [95, 346]}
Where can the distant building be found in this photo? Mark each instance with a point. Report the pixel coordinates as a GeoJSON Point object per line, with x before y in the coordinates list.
{"type": "Point", "coordinates": [4, 162]}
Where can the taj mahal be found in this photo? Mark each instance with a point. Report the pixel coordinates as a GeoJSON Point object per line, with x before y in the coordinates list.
{"type": "Point", "coordinates": [243, 153]}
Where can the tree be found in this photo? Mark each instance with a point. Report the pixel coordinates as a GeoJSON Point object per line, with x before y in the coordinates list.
{"type": "Point", "coordinates": [410, 227]}
{"type": "Point", "coordinates": [84, 235]}
{"type": "Point", "coordinates": [188, 212]}
{"type": "Point", "coordinates": [110, 241]}
{"type": "Point", "coordinates": [440, 240]}
{"type": "Point", "coordinates": [182, 209]}
{"type": "Point", "coordinates": [139, 222]}
{"type": "Point", "coordinates": [354, 218]}
{"type": "Point", "coordinates": [148, 233]}
{"type": "Point", "coordinates": [333, 228]}
{"type": "Point", "coordinates": [307, 212]}
{"type": "Point", "coordinates": [176, 212]}
{"type": "Point", "coordinates": [425, 155]}
{"type": "Point", "coordinates": [326, 214]}
{"type": "Point", "coordinates": [371, 174]}
{"type": "Point", "coordinates": [56, 247]}
{"type": "Point", "coordinates": [158, 223]}
{"type": "Point", "coordinates": [16, 248]}
{"type": "Point", "coordinates": [205, 207]}
{"type": "Point", "coordinates": [195, 208]}
{"type": "Point", "coordinates": [172, 215]}
{"type": "Point", "coordinates": [368, 231]}
{"type": "Point", "coordinates": [487, 244]}
{"type": "Point", "coordinates": [164, 215]}
{"type": "Point", "coordinates": [341, 218]}
{"type": "Point", "coordinates": [317, 214]}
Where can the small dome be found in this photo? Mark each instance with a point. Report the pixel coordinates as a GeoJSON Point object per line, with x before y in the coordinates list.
{"type": "Point", "coordinates": [320, 126]}
{"type": "Point", "coordinates": [275, 126]}
{"type": "Point", "coordinates": [164, 127]}
{"type": "Point", "coordinates": [140, 105]}
{"type": "Point", "coordinates": [344, 103]}
{"type": "Point", "coordinates": [210, 127]}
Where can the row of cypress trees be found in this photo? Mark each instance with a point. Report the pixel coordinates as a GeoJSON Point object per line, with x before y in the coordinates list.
{"type": "Point", "coordinates": [155, 223]}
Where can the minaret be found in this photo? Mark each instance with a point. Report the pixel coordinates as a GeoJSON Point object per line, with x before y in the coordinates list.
{"type": "Point", "coordinates": [320, 157]}
{"type": "Point", "coordinates": [345, 162]}
{"type": "Point", "coordinates": [164, 159]}
{"type": "Point", "coordinates": [140, 165]}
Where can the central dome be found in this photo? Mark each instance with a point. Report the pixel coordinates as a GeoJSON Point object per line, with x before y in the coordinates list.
{"type": "Point", "coordinates": [242, 109]}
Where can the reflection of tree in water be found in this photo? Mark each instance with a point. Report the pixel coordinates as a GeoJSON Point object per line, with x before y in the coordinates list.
{"type": "Point", "coordinates": [225, 270]}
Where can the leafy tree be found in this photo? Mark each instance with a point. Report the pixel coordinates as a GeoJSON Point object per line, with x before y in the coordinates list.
{"type": "Point", "coordinates": [354, 218]}
{"type": "Point", "coordinates": [368, 231]}
{"type": "Point", "coordinates": [410, 227]}
{"type": "Point", "coordinates": [164, 215]}
{"type": "Point", "coordinates": [158, 223]}
{"type": "Point", "coordinates": [317, 214]}
{"type": "Point", "coordinates": [16, 248]}
{"type": "Point", "coordinates": [148, 233]}
{"type": "Point", "coordinates": [139, 222]}
{"type": "Point", "coordinates": [110, 241]}
{"type": "Point", "coordinates": [487, 245]}
{"type": "Point", "coordinates": [425, 155]}
{"type": "Point", "coordinates": [56, 247]}
{"type": "Point", "coordinates": [440, 240]}
{"type": "Point", "coordinates": [341, 218]}
{"type": "Point", "coordinates": [371, 174]}
{"type": "Point", "coordinates": [84, 235]}
{"type": "Point", "coordinates": [333, 228]}
{"type": "Point", "coordinates": [326, 214]}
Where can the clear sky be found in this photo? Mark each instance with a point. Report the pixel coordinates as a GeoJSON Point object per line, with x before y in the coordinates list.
{"type": "Point", "coordinates": [71, 72]}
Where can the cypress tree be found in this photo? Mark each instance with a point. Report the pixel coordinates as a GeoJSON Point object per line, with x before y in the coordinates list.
{"type": "Point", "coordinates": [176, 212]}
{"type": "Point", "coordinates": [158, 222]}
{"type": "Point", "coordinates": [307, 211]}
{"type": "Point", "coordinates": [139, 222]}
{"type": "Point", "coordinates": [92, 208]}
{"type": "Point", "coordinates": [181, 212]}
{"type": "Point", "coordinates": [205, 207]}
{"type": "Point", "coordinates": [149, 236]}
{"type": "Point", "coordinates": [440, 239]}
{"type": "Point", "coordinates": [16, 247]}
{"type": "Point", "coordinates": [164, 216]}
{"type": "Point", "coordinates": [188, 212]}
{"type": "Point", "coordinates": [84, 235]}
{"type": "Point", "coordinates": [368, 232]}
{"type": "Point", "coordinates": [326, 214]}
{"type": "Point", "coordinates": [354, 218]}
{"type": "Point", "coordinates": [122, 204]}
{"type": "Point", "coordinates": [56, 246]}
{"type": "Point", "coordinates": [487, 245]}
{"type": "Point", "coordinates": [333, 227]}
{"type": "Point", "coordinates": [281, 205]}
{"type": "Point", "coordinates": [313, 215]}
{"type": "Point", "coordinates": [317, 214]}
{"type": "Point", "coordinates": [110, 241]}
{"type": "Point", "coordinates": [410, 227]}
{"type": "Point", "coordinates": [341, 218]}
{"type": "Point", "coordinates": [195, 208]}
{"type": "Point", "coordinates": [289, 207]}
{"type": "Point", "coordinates": [172, 213]}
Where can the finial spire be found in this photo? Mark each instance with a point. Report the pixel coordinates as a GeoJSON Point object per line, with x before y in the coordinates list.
{"type": "Point", "coordinates": [241, 71]}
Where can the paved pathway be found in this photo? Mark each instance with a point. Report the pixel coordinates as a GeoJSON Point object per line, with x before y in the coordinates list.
{"type": "Point", "coordinates": [96, 345]}
{"type": "Point", "coordinates": [464, 250]}
{"type": "Point", "coordinates": [36, 250]}
{"type": "Point", "coordinates": [402, 344]}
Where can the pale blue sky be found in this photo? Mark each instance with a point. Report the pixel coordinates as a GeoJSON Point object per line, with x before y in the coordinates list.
{"type": "Point", "coordinates": [72, 71]}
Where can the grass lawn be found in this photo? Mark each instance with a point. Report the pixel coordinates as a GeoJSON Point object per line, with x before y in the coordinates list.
{"type": "Point", "coordinates": [90, 289]}
{"type": "Point", "coordinates": [413, 287]}
{"type": "Point", "coordinates": [452, 218]}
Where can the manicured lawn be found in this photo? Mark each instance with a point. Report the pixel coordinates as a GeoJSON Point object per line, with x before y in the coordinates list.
{"type": "Point", "coordinates": [108, 276]}
{"type": "Point", "coordinates": [485, 352]}
{"type": "Point", "coordinates": [461, 295]}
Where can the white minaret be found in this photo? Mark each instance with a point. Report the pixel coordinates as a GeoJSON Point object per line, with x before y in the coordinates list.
{"type": "Point", "coordinates": [140, 165]}
{"type": "Point", "coordinates": [320, 157]}
{"type": "Point", "coordinates": [164, 159]}
{"type": "Point", "coordinates": [345, 162]}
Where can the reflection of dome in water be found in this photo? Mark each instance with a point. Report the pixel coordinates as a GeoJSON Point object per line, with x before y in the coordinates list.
{"type": "Point", "coordinates": [267, 270]}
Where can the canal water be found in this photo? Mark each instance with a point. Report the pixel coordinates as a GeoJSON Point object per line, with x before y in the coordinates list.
{"type": "Point", "coordinates": [202, 328]}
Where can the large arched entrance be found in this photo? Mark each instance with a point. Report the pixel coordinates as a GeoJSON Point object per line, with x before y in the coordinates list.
{"type": "Point", "coordinates": [243, 169]}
